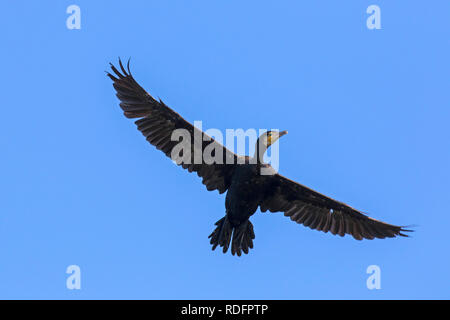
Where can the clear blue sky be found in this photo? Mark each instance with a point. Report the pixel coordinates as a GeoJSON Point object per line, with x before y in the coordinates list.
{"type": "Point", "coordinates": [367, 113]}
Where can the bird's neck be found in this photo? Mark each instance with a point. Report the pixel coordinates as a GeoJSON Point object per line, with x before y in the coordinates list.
{"type": "Point", "coordinates": [260, 149]}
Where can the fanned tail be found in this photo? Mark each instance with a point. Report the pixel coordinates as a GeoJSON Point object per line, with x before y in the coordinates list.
{"type": "Point", "coordinates": [241, 236]}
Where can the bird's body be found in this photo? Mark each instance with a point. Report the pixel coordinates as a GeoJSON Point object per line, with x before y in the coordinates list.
{"type": "Point", "coordinates": [244, 193]}
{"type": "Point", "coordinates": [247, 188]}
{"type": "Point", "coordinates": [243, 198]}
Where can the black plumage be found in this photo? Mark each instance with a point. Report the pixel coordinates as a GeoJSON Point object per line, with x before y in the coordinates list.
{"type": "Point", "coordinates": [241, 177]}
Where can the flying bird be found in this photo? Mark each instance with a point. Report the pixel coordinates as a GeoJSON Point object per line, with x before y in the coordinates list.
{"type": "Point", "coordinates": [247, 189]}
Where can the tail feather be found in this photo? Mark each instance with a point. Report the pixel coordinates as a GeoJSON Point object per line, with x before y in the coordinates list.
{"type": "Point", "coordinates": [241, 236]}
{"type": "Point", "coordinates": [221, 236]}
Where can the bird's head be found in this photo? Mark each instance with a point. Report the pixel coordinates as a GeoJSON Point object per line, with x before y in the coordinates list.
{"type": "Point", "coordinates": [265, 140]}
{"type": "Point", "coordinates": [270, 137]}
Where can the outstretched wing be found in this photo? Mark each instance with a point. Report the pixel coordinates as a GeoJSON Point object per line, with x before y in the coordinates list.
{"type": "Point", "coordinates": [157, 122]}
{"type": "Point", "coordinates": [319, 212]}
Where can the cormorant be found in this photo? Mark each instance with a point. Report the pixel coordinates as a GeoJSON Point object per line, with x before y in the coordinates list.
{"type": "Point", "coordinates": [246, 188]}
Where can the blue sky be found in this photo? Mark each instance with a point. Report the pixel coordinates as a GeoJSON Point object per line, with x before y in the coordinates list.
{"type": "Point", "coordinates": [367, 113]}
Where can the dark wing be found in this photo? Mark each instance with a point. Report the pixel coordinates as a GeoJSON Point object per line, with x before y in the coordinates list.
{"type": "Point", "coordinates": [319, 212]}
{"type": "Point", "coordinates": [157, 122]}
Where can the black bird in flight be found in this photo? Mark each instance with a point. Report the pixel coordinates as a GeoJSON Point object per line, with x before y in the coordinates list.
{"type": "Point", "coordinates": [246, 188]}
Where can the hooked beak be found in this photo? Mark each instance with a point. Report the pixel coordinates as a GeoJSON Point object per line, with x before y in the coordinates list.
{"type": "Point", "coordinates": [282, 133]}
